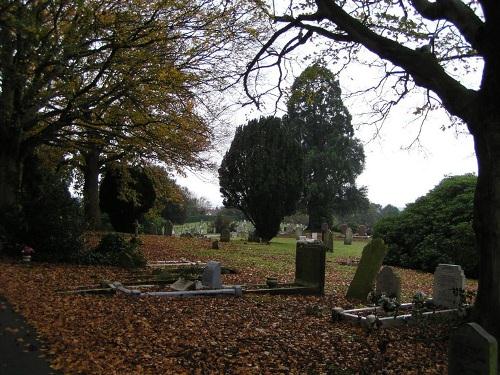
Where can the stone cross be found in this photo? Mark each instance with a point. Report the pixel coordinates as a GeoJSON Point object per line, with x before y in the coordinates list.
{"type": "Point", "coordinates": [368, 268]}
{"type": "Point", "coordinates": [448, 280]}
{"type": "Point", "coordinates": [211, 275]}
{"type": "Point", "coordinates": [348, 237]}
{"type": "Point", "coordinates": [388, 283]}
{"type": "Point", "coordinates": [472, 351]}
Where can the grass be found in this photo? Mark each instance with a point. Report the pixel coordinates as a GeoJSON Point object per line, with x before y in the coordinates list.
{"type": "Point", "coordinates": [277, 256]}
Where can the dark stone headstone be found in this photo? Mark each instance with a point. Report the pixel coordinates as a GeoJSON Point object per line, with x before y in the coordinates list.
{"type": "Point", "coordinates": [388, 283]}
{"type": "Point", "coordinates": [368, 268]}
{"type": "Point", "coordinates": [215, 245]}
{"type": "Point", "coordinates": [310, 260]}
{"type": "Point", "coordinates": [328, 240]}
{"type": "Point", "coordinates": [211, 275]}
{"type": "Point", "coordinates": [362, 230]}
{"type": "Point", "coordinates": [324, 227]}
{"type": "Point", "coordinates": [472, 351]}
{"type": "Point", "coordinates": [225, 235]}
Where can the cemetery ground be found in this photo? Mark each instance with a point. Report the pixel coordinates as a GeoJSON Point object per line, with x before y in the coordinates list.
{"type": "Point", "coordinates": [121, 334]}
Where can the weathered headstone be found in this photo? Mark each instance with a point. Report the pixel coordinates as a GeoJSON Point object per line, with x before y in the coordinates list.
{"type": "Point", "coordinates": [211, 275]}
{"type": "Point", "coordinates": [348, 237]}
{"type": "Point", "coordinates": [368, 268]}
{"type": "Point", "coordinates": [343, 228]}
{"type": "Point", "coordinates": [169, 228]}
{"type": "Point", "coordinates": [215, 245]}
{"type": "Point", "coordinates": [472, 351]}
{"type": "Point", "coordinates": [388, 283]}
{"type": "Point", "coordinates": [362, 230]}
{"type": "Point", "coordinates": [328, 240]}
{"type": "Point", "coordinates": [310, 260]}
{"type": "Point", "coordinates": [449, 279]}
{"type": "Point", "coordinates": [225, 235]}
{"type": "Point", "coordinates": [298, 232]}
{"type": "Point", "coordinates": [324, 227]}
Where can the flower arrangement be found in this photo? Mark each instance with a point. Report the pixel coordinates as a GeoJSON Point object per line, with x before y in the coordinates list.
{"type": "Point", "coordinates": [27, 252]}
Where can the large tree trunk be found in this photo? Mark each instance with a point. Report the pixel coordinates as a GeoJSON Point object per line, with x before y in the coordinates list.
{"type": "Point", "coordinates": [10, 179]}
{"type": "Point", "coordinates": [91, 189]}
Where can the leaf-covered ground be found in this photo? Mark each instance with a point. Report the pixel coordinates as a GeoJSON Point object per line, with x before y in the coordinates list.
{"type": "Point", "coordinates": [250, 334]}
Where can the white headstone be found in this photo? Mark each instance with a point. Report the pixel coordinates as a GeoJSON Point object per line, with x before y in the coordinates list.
{"type": "Point", "coordinates": [211, 275]}
{"type": "Point", "coordinates": [449, 279]}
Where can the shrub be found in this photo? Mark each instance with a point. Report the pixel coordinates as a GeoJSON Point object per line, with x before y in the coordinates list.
{"type": "Point", "coordinates": [49, 220]}
{"type": "Point", "coordinates": [437, 228]}
{"type": "Point", "coordinates": [114, 250]}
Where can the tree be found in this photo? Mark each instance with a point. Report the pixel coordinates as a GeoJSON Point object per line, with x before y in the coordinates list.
{"type": "Point", "coordinates": [436, 228]}
{"type": "Point", "coordinates": [431, 45]}
{"type": "Point", "coordinates": [126, 194]}
{"type": "Point", "coordinates": [130, 76]}
{"type": "Point", "coordinates": [261, 174]}
{"type": "Point", "coordinates": [333, 158]}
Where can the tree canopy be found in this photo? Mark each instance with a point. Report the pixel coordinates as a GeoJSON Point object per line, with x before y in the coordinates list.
{"type": "Point", "coordinates": [261, 174]}
{"type": "Point", "coordinates": [333, 158]}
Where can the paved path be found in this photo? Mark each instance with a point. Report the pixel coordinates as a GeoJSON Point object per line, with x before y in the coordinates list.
{"type": "Point", "coordinates": [19, 348]}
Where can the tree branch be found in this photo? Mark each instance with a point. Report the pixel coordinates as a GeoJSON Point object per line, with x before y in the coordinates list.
{"type": "Point", "coordinates": [456, 12]}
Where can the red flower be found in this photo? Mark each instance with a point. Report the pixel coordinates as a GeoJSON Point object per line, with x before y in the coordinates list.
{"type": "Point", "coordinates": [27, 250]}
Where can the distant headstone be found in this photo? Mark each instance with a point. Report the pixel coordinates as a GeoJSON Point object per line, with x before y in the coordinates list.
{"type": "Point", "coordinates": [343, 228]}
{"type": "Point", "coordinates": [215, 245]}
{"type": "Point", "coordinates": [298, 232]}
{"type": "Point", "coordinates": [388, 283]}
{"type": "Point", "coordinates": [310, 260]}
{"type": "Point", "coordinates": [368, 268]}
{"type": "Point", "coordinates": [169, 228]}
{"type": "Point", "coordinates": [348, 237]}
{"type": "Point", "coordinates": [362, 230]}
{"type": "Point", "coordinates": [211, 275]}
{"type": "Point", "coordinates": [472, 351]}
{"type": "Point", "coordinates": [448, 280]}
{"type": "Point", "coordinates": [225, 235]}
{"type": "Point", "coordinates": [328, 240]}
{"type": "Point", "coordinates": [324, 227]}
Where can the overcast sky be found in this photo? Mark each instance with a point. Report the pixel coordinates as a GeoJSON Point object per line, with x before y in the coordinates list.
{"type": "Point", "coordinates": [393, 173]}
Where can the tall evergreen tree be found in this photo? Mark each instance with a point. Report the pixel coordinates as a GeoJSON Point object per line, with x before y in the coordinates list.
{"type": "Point", "coordinates": [261, 174]}
{"type": "Point", "coordinates": [333, 158]}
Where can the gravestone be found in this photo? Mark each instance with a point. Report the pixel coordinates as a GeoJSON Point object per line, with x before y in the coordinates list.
{"type": "Point", "coordinates": [211, 275]}
{"type": "Point", "coordinates": [368, 268]}
{"type": "Point", "coordinates": [472, 351]}
{"type": "Point", "coordinates": [362, 230]}
{"type": "Point", "coordinates": [348, 237]}
{"type": "Point", "coordinates": [343, 228]}
{"type": "Point", "coordinates": [215, 245]}
{"type": "Point", "coordinates": [225, 235]}
{"type": "Point", "coordinates": [310, 260]}
{"type": "Point", "coordinates": [298, 232]}
{"type": "Point", "coordinates": [169, 228]}
{"type": "Point", "coordinates": [448, 279]}
{"type": "Point", "coordinates": [324, 227]}
{"type": "Point", "coordinates": [388, 283]}
{"type": "Point", "coordinates": [328, 240]}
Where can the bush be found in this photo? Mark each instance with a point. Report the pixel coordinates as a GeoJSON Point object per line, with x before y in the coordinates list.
{"type": "Point", "coordinates": [114, 250]}
{"type": "Point", "coordinates": [437, 228]}
{"type": "Point", "coordinates": [49, 220]}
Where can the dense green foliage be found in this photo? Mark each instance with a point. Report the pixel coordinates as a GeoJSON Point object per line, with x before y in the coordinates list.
{"type": "Point", "coordinates": [333, 158]}
{"type": "Point", "coordinates": [261, 174]}
{"type": "Point", "coordinates": [114, 250]}
{"type": "Point", "coordinates": [49, 220]}
{"type": "Point", "coordinates": [437, 228]}
{"type": "Point", "coordinates": [126, 194]}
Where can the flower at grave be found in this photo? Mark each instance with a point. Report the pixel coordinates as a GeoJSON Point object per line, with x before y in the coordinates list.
{"type": "Point", "coordinates": [26, 250]}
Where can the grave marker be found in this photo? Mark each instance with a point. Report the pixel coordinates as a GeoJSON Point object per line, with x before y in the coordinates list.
{"type": "Point", "coordinates": [225, 235]}
{"type": "Point", "coordinates": [388, 283]}
{"type": "Point", "coordinates": [368, 268]}
{"type": "Point", "coordinates": [211, 275]}
{"type": "Point", "coordinates": [310, 260]}
{"type": "Point", "coordinates": [169, 228]}
{"type": "Point", "coordinates": [348, 237]}
{"type": "Point", "coordinates": [328, 240]}
{"type": "Point", "coordinates": [448, 278]}
{"type": "Point", "coordinates": [472, 351]}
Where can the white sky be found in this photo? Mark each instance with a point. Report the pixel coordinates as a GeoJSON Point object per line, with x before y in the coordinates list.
{"type": "Point", "coordinates": [393, 174]}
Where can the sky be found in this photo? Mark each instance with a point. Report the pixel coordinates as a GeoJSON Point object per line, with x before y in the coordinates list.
{"type": "Point", "coordinates": [394, 173]}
